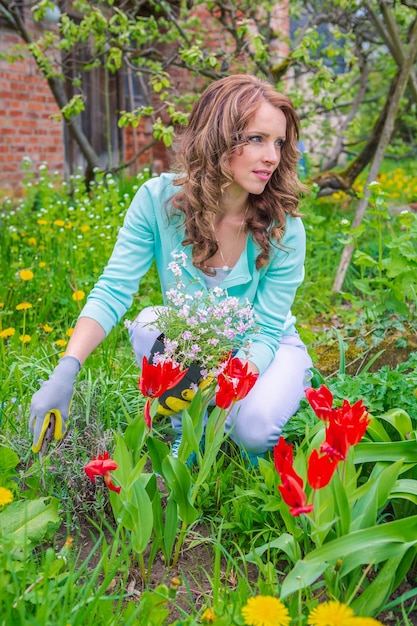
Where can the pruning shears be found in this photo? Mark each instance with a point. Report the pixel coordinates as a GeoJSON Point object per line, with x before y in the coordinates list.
{"type": "Point", "coordinates": [53, 427]}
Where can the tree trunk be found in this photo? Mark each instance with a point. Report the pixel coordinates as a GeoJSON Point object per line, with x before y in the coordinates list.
{"type": "Point", "coordinates": [395, 101]}
{"type": "Point", "coordinates": [344, 179]}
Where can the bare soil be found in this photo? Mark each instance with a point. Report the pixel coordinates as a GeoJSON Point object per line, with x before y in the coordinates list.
{"type": "Point", "coordinates": [193, 572]}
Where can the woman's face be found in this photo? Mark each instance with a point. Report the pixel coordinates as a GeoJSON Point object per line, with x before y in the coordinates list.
{"type": "Point", "coordinates": [254, 164]}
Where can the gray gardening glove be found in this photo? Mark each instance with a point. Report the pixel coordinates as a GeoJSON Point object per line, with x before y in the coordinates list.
{"type": "Point", "coordinates": [50, 405]}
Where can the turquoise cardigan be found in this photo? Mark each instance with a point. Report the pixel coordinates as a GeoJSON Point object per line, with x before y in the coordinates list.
{"type": "Point", "coordinates": [148, 234]}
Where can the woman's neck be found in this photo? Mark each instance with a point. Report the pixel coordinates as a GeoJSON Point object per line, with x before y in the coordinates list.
{"type": "Point", "coordinates": [235, 206]}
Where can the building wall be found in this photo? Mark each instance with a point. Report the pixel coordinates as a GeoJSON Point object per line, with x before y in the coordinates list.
{"type": "Point", "coordinates": [26, 126]}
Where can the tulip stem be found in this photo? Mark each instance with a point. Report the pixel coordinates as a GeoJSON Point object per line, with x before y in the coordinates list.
{"type": "Point", "coordinates": [180, 541]}
{"type": "Point", "coordinates": [142, 567]}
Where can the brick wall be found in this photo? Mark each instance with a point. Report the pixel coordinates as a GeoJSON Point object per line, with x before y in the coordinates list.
{"type": "Point", "coordinates": [26, 127]}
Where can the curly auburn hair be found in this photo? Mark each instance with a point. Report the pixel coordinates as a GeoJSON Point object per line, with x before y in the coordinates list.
{"type": "Point", "coordinates": [216, 130]}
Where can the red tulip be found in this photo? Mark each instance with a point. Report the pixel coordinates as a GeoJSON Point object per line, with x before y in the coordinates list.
{"type": "Point", "coordinates": [320, 469]}
{"type": "Point", "coordinates": [355, 419]}
{"type": "Point", "coordinates": [346, 428]}
{"type": "Point", "coordinates": [294, 495]}
{"type": "Point", "coordinates": [102, 466]}
{"type": "Point", "coordinates": [321, 401]}
{"type": "Point", "coordinates": [155, 380]}
{"type": "Point", "coordinates": [336, 444]}
{"type": "Point", "coordinates": [234, 383]}
{"type": "Point", "coordinates": [283, 460]}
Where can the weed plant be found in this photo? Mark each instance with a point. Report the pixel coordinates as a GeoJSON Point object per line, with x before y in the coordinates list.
{"type": "Point", "coordinates": [53, 246]}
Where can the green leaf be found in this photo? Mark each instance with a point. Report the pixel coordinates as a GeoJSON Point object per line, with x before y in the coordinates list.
{"type": "Point", "coordinates": [28, 520]}
{"type": "Point", "coordinates": [285, 543]}
{"type": "Point", "coordinates": [123, 458]}
{"type": "Point", "coordinates": [170, 528]}
{"type": "Point", "coordinates": [371, 452]}
{"type": "Point", "coordinates": [136, 473]}
{"type": "Point", "coordinates": [376, 594]}
{"type": "Point", "coordinates": [213, 440]}
{"type": "Point", "coordinates": [8, 459]}
{"type": "Point", "coordinates": [324, 515]}
{"type": "Point", "coordinates": [137, 515]}
{"type": "Point", "coordinates": [399, 419]}
{"type": "Point", "coordinates": [363, 260]}
{"type": "Point", "coordinates": [405, 488]}
{"type": "Point", "coordinates": [135, 433]}
{"type": "Point", "coordinates": [387, 478]}
{"type": "Point", "coordinates": [158, 450]}
{"type": "Point", "coordinates": [376, 431]}
{"type": "Point", "coordinates": [342, 508]}
{"type": "Point", "coordinates": [178, 482]}
{"type": "Point", "coordinates": [370, 545]}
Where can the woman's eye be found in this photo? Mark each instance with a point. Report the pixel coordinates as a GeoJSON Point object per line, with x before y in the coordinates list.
{"type": "Point", "coordinates": [256, 138]}
{"type": "Point", "coordinates": [279, 143]}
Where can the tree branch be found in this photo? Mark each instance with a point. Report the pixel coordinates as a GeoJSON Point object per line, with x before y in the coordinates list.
{"type": "Point", "coordinates": [388, 126]}
{"type": "Point", "coordinates": [392, 39]}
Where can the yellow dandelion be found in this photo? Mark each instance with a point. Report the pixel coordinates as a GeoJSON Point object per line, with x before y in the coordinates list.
{"type": "Point", "coordinates": [265, 611]}
{"type": "Point", "coordinates": [47, 328]}
{"type": "Point", "coordinates": [6, 496]}
{"type": "Point", "coordinates": [332, 613]}
{"type": "Point", "coordinates": [69, 541]}
{"type": "Point", "coordinates": [42, 222]}
{"type": "Point", "coordinates": [23, 306]}
{"type": "Point", "coordinates": [69, 332]}
{"type": "Point", "coordinates": [69, 224]}
{"type": "Point", "coordinates": [42, 264]}
{"type": "Point", "coordinates": [25, 338]}
{"type": "Point", "coordinates": [61, 343]}
{"type": "Point", "coordinates": [208, 617]}
{"type": "Point", "coordinates": [7, 332]}
{"type": "Point", "coordinates": [25, 274]}
{"type": "Point", "coordinates": [78, 295]}
{"type": "Point", "coordinates": [32, 241]}
{"type": "Point", "coordinates": [59, 223]}
{"type": "Point", "coordinates": [1, 305]}
{"type": "Point", "coordinates": [85, 228]}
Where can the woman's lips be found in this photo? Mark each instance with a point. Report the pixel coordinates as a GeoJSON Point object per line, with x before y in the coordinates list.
{"type": "Point", "coordinates": [262, 175]}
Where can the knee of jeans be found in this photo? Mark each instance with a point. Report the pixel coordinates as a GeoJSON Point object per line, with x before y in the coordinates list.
{"type": "Point", "coordinates": [142, 334]}
{"type": "Point", "coordinates": [256, 436]}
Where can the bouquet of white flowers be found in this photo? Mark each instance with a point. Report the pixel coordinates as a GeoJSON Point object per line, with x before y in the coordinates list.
{"type": "Point", "coordinates": [203, 327]}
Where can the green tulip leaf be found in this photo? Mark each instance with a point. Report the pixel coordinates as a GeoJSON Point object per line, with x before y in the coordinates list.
{"type": "Point", "coordinates": [372, 452]}
{"type": "Point", "coordinates": [399, 419]}
{"type": "Point", "coordinates": [178, 482]}
{"type": "Point", "coordinates": [370, 545]}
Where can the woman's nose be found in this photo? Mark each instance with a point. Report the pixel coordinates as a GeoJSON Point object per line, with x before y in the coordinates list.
{"type": "Point", "coordinates": [272, 154]}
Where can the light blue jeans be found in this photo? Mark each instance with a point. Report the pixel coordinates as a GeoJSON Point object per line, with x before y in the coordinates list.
{"type": "Point", "coordinates": [256, 421]}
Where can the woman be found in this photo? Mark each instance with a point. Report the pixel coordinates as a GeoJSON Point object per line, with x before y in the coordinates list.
{"type": "Point", "coordinates": [230, 205]}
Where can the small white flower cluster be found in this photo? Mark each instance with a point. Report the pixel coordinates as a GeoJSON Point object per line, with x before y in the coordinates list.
{"type": "Point", "coordinates": [202, 327]}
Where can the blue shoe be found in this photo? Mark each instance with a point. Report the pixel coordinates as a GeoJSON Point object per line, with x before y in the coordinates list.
{"type": "Point", "coordinates": [192, 459]}
{"type": "Point", "coordinates": [176, 446]}
{"type": "Point", "coordinates": [252, 459]}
